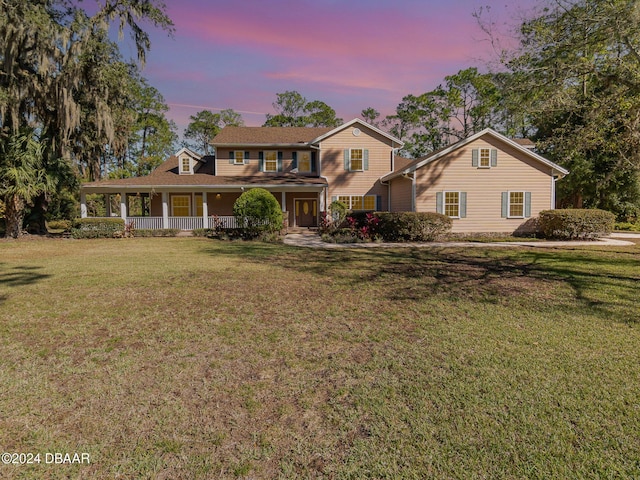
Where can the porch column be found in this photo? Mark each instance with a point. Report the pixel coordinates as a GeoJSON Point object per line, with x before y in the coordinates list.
{"type": "Point", "coordinates": [83, 205]}
{"type": "Point", "coordinates": [123, 205]}
{"type": "Point", "coordinates": [165, 210]}
{"type": "Point", "coordinates": [205, 211]}
{"type": "Point", "coordinates": [284, 201]}
{"type": "Point", "coordinates": [323, 207]}
{"type": "Point", "coordinates": [107, 204]}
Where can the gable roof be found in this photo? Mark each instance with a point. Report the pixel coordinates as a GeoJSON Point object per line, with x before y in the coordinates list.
{"type": "Point", "coordinates": [260, 136]}
{"type": "Point", "coordinates": [433, 156]}
{"type": "Point", "coordinates": [362, 123]}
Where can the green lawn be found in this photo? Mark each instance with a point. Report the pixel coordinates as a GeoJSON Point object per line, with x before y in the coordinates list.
{"type": "Point", "coordinates": [190, 358]}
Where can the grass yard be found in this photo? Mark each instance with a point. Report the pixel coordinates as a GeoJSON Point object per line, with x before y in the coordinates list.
{"type": "Point", "coordinates": [186, 358]}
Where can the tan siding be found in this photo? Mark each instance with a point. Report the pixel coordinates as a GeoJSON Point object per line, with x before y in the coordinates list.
{"type": "Point", "coordinates": [484, 186]}
{"type": "Point", "coordinates": [400, 190]}
{"type": "Point", "coordinates": [222, 205]}
{"type": "Point", "coordinates": [224, 168]}
{"type": "Point", "coordinates": [342, 182]}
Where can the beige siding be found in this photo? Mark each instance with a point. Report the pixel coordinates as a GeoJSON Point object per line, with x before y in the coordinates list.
{"type": "Point", "coordinates": [483, 186]}
{"type": "Point", "coordinates": [224, 168]}
{"type": "Point", "coordinates": [343, 182]}
{"type": "Point", "coordinates": [400, 191]}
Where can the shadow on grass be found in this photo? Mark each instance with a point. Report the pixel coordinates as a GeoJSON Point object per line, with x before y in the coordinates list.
{"type": "Point", "coordinates": [603, 281]}
{"type": "Point", "coordinates": [19, 276]}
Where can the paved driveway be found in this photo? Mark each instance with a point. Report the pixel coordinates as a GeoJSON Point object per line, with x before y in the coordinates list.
{"type": "Point", "coordinates": [314, 241]}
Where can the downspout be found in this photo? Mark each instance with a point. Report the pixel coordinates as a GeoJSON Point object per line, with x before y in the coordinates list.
{"type": "Point", "coordinates": [554, 179]}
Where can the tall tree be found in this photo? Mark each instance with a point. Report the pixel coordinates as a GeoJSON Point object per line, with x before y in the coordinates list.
{"type": "Point", "coordinates": [44, 82]}
{"type": "Point", "coordinates": [205, 125]}
{"type": "Point", "coordinates": [293, 110]}
{"type": "Point", "coordinates": [577, 74]}
{"type": "Point", "coordinates": [370, 115]}
{"type": "Point", "coordinates": [467, 103]}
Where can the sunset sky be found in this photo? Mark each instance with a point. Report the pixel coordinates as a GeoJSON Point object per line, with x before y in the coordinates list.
{"type": "Point", "coordinates": [350, 54]}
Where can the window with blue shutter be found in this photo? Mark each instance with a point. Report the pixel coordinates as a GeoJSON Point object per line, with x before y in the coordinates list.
{"type": "Point", "coordinates": [261, 161]}
{"type": "Point", "coordinates": [294, 160]}
{"type": "Point", "coordinates": [279, 166]}
{"type": "Point", "coordinates": [439, 202]}
{"type": "Point", "coordinates": [347, 159]}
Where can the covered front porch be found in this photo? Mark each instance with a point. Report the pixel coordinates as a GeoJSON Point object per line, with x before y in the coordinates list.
{"type": "Point", "coordinates": [189, 209]}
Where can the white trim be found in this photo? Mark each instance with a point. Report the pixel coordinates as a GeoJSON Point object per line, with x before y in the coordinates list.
{"type": "Point", "coordinates": [362, 123]}
{"type": "Point", "coordinates": [444, 203]}
{"type": "Point", "coordinates": [472, 138]}
{"type": "Point", "coordinates": [205, 210]}
{"type": "Point", "coordinates": [480, 150]}
{"type": "Point", "coordinates": [362, 197]}
{"type": "Point", "coordinates": [264, 161]}
{"type": "Point", "coordinates": [123, 205]}
{"type": "Point", "coordinates": [188, 152]}
{"type": "Point", "coordinates": [361, 169]}
{"type": "Point", "coordinates": [524, 200]}
{"type": "Point", "coordinates": [235, 157]}
{"type": "Point", "coordinates": [165, 210]}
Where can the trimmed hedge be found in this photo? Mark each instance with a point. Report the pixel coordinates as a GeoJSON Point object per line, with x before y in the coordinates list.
{"type": "Point", "coordinates": [159, 232]}
{"type": "Point", "coordinates": [413, 226]}
{"type": "Point", "coordinates": [576, 224]}
{"type": "Point", "coordinates": [98, 228]}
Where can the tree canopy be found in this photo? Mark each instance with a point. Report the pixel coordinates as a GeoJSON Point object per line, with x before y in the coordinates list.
{"type": "Point", "coordinates": [576, 74]}
{"type": "Point", "coordinates": [294, 110]}
{"type": "Point", "coordinates": [61, 75]}
{"type": "Point", "coordinates": [205, 125]}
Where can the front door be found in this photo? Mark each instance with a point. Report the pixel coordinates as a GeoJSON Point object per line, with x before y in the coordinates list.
{"type": "Point", "coordinates": [306, 212]}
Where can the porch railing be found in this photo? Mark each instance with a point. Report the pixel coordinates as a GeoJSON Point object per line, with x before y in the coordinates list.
{"type": "Point", "coordinates": [146, 223]}
{"type": "Point", "coordinates": [182, 223]}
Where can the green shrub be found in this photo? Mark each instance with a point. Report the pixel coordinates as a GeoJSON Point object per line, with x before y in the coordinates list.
{"type": "Point", "coordinates": [574, 224]}
{"type": "Point", "coordinates": [156, 232]}
{"type": "Point", "coordinates": [203, 232]}
{"type": "Point", "coordinates": [258, 211]}
{"type": "Point", "coordinates": [64, 225]}
{"type": "Point", "coordinates": [413, 226]}
{"type": "Point", "coordinates": [628, 227]}
{"type": "Point", "coordinates": [98, 228]}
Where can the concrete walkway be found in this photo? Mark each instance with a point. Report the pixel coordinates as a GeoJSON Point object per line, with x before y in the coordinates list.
{"type": "Point", "coordinates": [314, 241]}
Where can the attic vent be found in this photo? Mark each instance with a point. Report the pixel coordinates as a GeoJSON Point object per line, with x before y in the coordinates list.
{"type": "Point", "coordinates": [356, 132]}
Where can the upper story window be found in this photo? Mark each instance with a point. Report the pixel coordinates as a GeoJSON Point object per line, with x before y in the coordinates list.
{"type": "Point", "coordinates": [270, 161]}
{"type": "Point", "coordinates": [304, 162]}
{"type": "Point", "coordinates": [186, 166]}
{"type": "Point", "coordinates": [484, 157]}
{"type": "Point", "coordinates": [356, 159]}
{"type": "Point", "coordinates": [238, 157]}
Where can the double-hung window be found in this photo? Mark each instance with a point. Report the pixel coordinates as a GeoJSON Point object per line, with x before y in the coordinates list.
{"type": "Point", "coordinates": [270, 161]}
{"type": "Point", "coordinates": [453, 204]}
{"type": "Point", "coordinates": [304, 162]}
{"type": "Point", "coordinates": [516, 204]}
{"type": "Point", "coordinates": [238, 157]}
{"type": "Point", "coordinates": [357, 157]}
{"type": "Point", "coordinates": [485, 158]}
{"type": "Point", "coordinates": [185, 165]}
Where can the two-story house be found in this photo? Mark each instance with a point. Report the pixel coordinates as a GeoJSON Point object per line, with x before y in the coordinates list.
{"type": "Point", "coordinates": [486, 183]}
{"type": "Point", "coordinates": [304, 168]}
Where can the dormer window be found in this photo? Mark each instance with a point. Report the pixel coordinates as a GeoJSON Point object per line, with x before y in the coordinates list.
{"type": "Point", "coordinates": [186, 166]}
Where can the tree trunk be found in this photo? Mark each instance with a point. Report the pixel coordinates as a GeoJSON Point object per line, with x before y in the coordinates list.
{"type": "Point", "coordinates": [14, 213]}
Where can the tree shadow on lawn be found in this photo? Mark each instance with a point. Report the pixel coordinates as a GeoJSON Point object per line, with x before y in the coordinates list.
{"type": "Point", "coordinates": [603, 281]}
{"type": "Point", "coordinates": [19, 276]}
